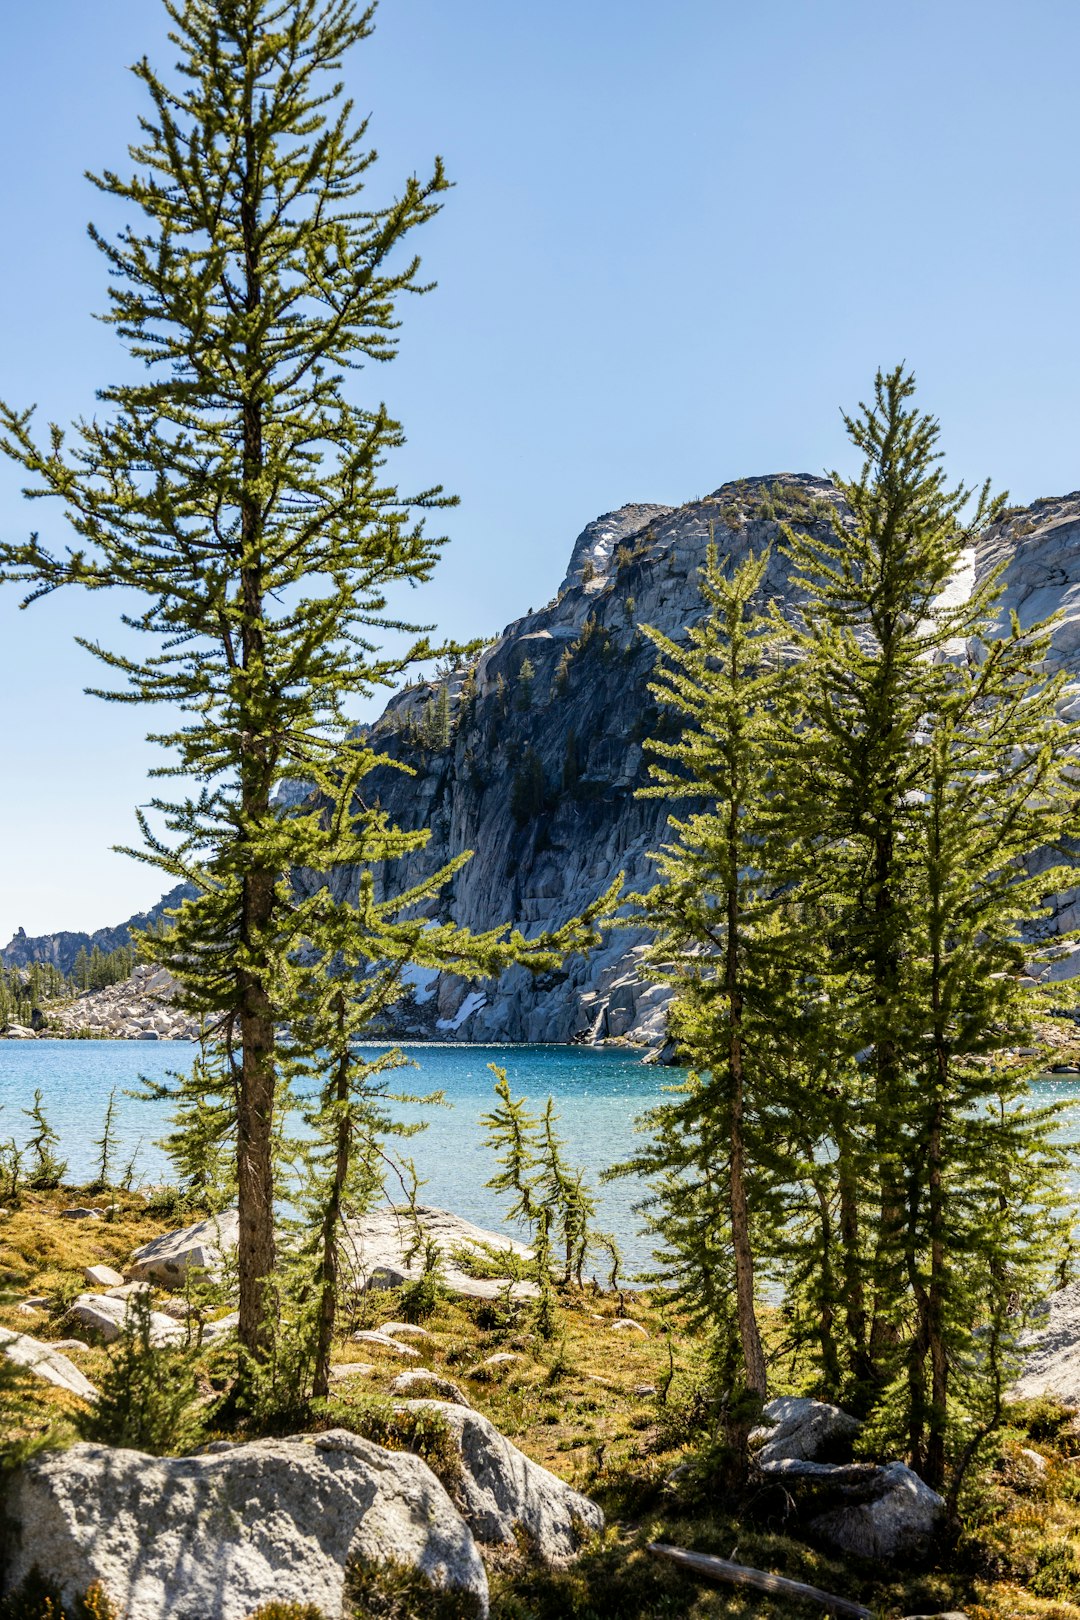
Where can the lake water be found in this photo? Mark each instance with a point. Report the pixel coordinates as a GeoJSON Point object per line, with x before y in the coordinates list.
{"type": "Point", "coordinates": [599, 1094]}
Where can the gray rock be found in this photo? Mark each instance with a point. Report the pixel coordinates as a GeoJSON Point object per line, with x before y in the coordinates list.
{"type": "Point", "coordinates": [47, 1361]}
{"type": "Point", "coordinates": [899, 1520]}
{"type": "Point", "coordinates": [797, 1427]}
{"type": "Point", "coordinates": [1050, 1351]}
{"type": "Point", "coordinates": [275, 1519]}
{"type": "Point", "coordinates": [106, 1317]}
{"type": "Point", "coordinates": [404, 1330]}
{"type": "Point", "coordinates": [202, 1247]}
{"type": "Point", "coordinates": [352, 1369]}
{"type": "Point", "coordinates": [504, 1494]}
{"type": "Point", "coordinates": [623, 1324]}
{"type": "Point", "coordinates": [102, 1277]}
{"type": "Point", "coordinates": [383, 1341]}
{"type": "Point", "coordinates": [421, 1382]}
{"type": "Point", "coordinates": [80, 1214]}
{"type": "Point", "coordinates": [223, 1325]}
{"type": "Point", "coordinates": [378, 1243]}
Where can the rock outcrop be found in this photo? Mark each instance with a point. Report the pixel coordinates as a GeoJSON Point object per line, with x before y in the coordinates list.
{"type": "Point", "coordinates": [505, 1496]}
{"type": "Point", "coordinates": [46, 1361]}
{"type": "Point", "coordinates": [894, 1515]}
{"type": "Point", "coordinates": [1050, 1351]}
{"type": "Point", "coordinates": [203, 1247]}
{"type": "Point", "coordinates": [378, 1249]}
{"type": "Point", "coordinates": [186, 1538]}
{"type": "Point", "coordinates": [799, 1429]}
{"type": "Point", "coordinates": [540, 775]}
{"type": "Point", "coordinates": [876, 1512]}
{"type": "Point", "coordinates": [141, 1008]}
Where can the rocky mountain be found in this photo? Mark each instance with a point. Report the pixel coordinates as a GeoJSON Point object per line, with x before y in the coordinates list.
{"type": "Point", "coordinates": [533, 757]}
{"type": "Point", "coordinates": [540, 773]}
{"type": "Point", "coordinates": [62, 949]}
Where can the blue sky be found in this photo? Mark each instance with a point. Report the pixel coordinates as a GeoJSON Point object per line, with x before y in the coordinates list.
{"type": "Point", "coordinates": [682, 237]}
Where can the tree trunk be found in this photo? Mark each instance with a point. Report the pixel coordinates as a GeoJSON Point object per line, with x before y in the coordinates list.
{"type": "Point", "coordinates": [935, 1318]}
{"type": "Point", "coordinates": [749, 1335]}
{"type": "Point", "coordinates": [329, 1268]}
{"type": "Point", "coordinates": [258, 1076]}
{"type": "Point", "coordinates": [830, 1355]}
{"type": "Point", "coordinates": [851, 1259]}
{"type": "Point", "coordinates": [889, 1246]}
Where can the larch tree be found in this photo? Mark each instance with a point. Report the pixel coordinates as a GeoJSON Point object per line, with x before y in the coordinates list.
{"type": "Point", "coordinates": [238, 491]}
{"type": "Point", "coordinates": [922, 762]}
{"type": "Point", "coordinates": [712, 912]}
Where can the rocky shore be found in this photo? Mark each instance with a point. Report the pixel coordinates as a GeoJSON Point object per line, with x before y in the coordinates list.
{"type": "Point", "coordinates": [142, 1008]}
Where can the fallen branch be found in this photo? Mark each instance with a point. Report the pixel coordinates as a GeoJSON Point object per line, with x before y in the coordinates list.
{"type": "Point", "coordinates": [719, 1569]}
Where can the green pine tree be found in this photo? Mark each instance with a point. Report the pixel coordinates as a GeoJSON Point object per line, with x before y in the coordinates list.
{"type": "Point", "coordinates": [240, 491]}
{"type": "Point", "coordinates": [916, 775]}
{"type": "Point", "coordinates": [713, 915]}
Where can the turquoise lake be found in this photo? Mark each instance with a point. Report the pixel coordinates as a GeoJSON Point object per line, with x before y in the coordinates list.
{"type": "Point", "coordinates": [599, 1094]}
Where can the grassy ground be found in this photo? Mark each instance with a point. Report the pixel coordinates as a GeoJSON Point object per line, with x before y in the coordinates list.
{"type": "Point", "coordinates": [578, 1403]}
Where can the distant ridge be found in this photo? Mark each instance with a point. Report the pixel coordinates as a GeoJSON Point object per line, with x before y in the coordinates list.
{"type": "Point", "coordinates": [62, 949]}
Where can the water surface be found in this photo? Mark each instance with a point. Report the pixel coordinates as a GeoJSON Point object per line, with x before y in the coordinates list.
{"type": "Point", "coordinates": [599, 1094]}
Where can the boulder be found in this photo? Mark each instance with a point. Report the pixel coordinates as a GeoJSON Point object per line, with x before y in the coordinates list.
{"type": "Point", "coordinates": [800, 1428]}
{"type": "Point", "coordinates": [1050, 1351]}
{"type": "Point", "coordinates": [403, 1330]}
{"type": "Point", "coordinates": [625, 1324]}
{"type": "Point", "coordinates": [504, 1494]}
{"type": "Point", "coordinates": [384, 1342]}
{"type": "Point", "coordinates": [896, 1516]}
{"type": "Point", "coordinates": [187, 1538]}
{"type": "Point", "coordinates": [106, 1316]}
{"type": "Point", "coordinates": [419, 1381]}
{"type": "Point", "coordinates": [102, 1277]}
{"type": "Point", "coordinates": [202, 1247]}
{"type": "Point", "coordinates": [46, 1361]}
{"type": "Point", "coordinates": [352, 1369]}
{"type": "Point", "coordinates": [223, 1325]}
{"type": "Point", "coordinates": [379, 1244]}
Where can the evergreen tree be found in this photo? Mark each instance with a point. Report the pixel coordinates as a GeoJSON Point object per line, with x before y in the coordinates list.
{"type": "Point", "coordinates": [148, 1398]}
{"type": "Point", "coordinates": [240, 492]}
{"type": "Point", "coordinates": [106, 1146]}
{"type": "Point", "coordinates": [443, 718]}
{"type": "Point", "coordinates": [923, 762]}
{"type": "Point", "coordinates": [712, 912]}
{"type": "Point", "coordinates": [46, 1169]}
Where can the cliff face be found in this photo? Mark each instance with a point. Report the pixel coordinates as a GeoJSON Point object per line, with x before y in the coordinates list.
{"type": "Point", "coordinates": [533, 760]}
{"type": "Point", "coordinates": [539, 777]}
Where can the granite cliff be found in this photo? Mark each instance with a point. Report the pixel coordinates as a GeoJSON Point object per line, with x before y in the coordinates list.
{"type": "Point", "coordinates": [532, 757]}
{"type": "Point", "coordinates": [539, 773]}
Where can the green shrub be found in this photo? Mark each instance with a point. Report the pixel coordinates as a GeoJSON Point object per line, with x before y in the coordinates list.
{"type": "Point", "coordinates": [286, 1611]}
{"type": "Point", "coordinates": [421, 1430]}
{"type": "Point", "coordinates": [38, 1599]}
{"type": "Point", "coordinates": [148, 1395]}
{"type": "Point", "coordinates": [392, 1591]}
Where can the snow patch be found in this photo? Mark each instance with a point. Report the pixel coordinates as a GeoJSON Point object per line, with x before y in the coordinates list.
{"type": "Point", "coordinates": [471, 1004]}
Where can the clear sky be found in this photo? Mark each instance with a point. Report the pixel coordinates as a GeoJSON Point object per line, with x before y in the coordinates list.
{"type": "Point", "coordinates": [682, 236]}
